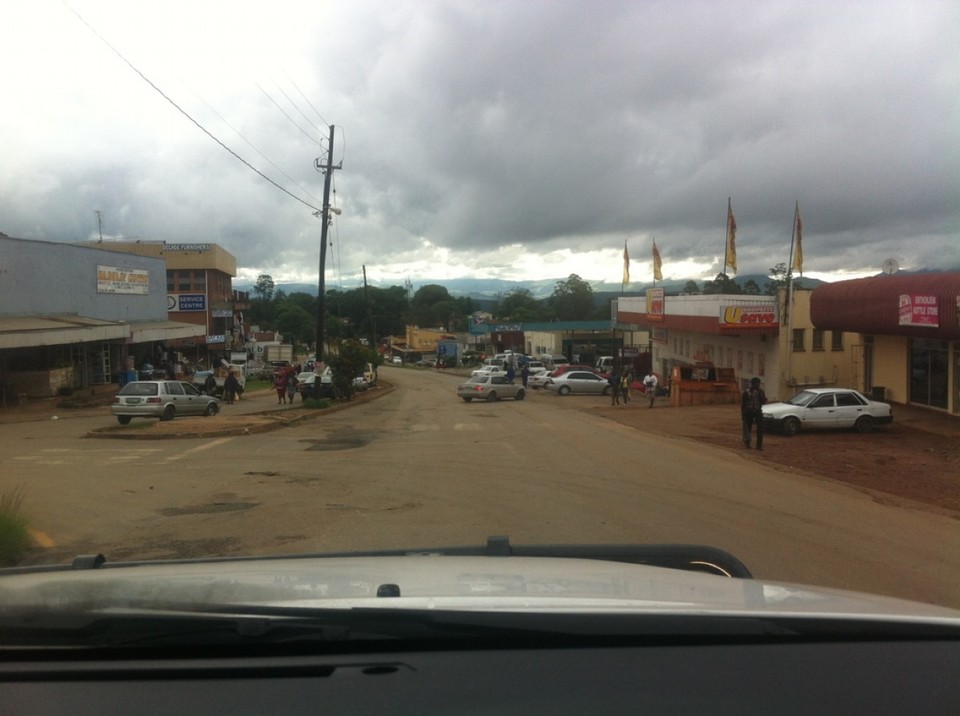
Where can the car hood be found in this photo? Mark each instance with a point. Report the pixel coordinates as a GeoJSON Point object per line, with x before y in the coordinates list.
{"type": "Point", "coordinates": [437, 582]}
{"type": "Point", "coordinates": [776, 410]}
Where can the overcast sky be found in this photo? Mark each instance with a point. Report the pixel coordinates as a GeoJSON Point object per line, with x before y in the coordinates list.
{"type": "Point", "coordinates": [526, 139]}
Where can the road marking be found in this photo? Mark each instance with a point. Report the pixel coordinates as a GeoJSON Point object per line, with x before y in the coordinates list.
{"type": "Point", "coordinates": [199, 448]}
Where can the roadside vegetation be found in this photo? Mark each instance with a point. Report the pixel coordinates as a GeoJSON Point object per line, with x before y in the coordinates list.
{"type": "Point", "coordinates": [14, 535]}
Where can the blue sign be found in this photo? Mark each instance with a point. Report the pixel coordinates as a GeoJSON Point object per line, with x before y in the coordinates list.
{"type": "Point", "coordinates": [442, 350]}
{"type": "Point", "coordinates": [192, 302]}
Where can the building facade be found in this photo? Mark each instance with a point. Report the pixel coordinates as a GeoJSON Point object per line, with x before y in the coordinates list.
{"type": "Point", "coordinates": [72, 316]}
{"type": "Point", "coordinates": [907, 346]}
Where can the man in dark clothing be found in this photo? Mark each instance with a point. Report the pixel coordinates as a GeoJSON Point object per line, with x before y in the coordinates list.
{"type": "Point", "coordinates": [751, 411]}
{"type": "Point", "coordinates": [614, 381]}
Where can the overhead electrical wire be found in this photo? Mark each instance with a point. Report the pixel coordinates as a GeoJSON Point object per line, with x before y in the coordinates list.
{"type": "Point", "coordinates": [187, 115]}
{"type": "Point", "coordinates": [284, 113]}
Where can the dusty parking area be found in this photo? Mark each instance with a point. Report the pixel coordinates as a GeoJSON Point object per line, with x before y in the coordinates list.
{"type": "Point", "coordinates": [916, 458]}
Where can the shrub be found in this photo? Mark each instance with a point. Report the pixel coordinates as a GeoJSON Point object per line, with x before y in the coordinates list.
{"type": "Point", "coordinates": [14, 536]}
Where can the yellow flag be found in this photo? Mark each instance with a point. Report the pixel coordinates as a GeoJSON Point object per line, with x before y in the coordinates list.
{"type": "Point", "coordinates": [731, 259]}
{"type": "Point", "coordinates": [798, 254]}
{"type": "Point", "coordinates": [657, 264]}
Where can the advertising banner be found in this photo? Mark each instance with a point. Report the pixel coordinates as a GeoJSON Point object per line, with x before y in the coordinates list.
{"type": "Point", "coordinates": [655, 304]}
{"type": "Point", "coordinates": [918, 310]}
{"type": "Point", "coordinates": [748, 316]}
{"type": "Point", "coordinates": [116, 279]}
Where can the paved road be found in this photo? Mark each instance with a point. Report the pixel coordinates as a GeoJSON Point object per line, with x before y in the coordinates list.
{"type": "Point", "coordinates": [421, 468]}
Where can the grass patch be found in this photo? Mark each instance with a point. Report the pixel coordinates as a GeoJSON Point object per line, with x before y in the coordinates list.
{"type": "Point", "coordinates": [255, 384]}
{"type": "Point", "coordinates": [14, 536]}
{"type": "Point", "coordinates": [315, 404]}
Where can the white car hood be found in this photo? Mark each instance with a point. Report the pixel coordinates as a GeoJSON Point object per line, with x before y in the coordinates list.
{"type": "Point", "coordinates": [518, 584]}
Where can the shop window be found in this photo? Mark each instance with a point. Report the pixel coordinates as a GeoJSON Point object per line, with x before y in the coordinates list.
{"type": "Point", "coordinates": [170, 279]}
{"type": "Point", "coordinates": [836, 341]}
{"type": "Point", "coordinates": [929, 372]}
{"type": "Point", "coordinates": [183, 280]}
{"type": "Point", "coordinates": [200, 280]}
{"type": "Point", "coordinates": [798, 340]}
{"type": "Point", "coordinates": [817, 339]}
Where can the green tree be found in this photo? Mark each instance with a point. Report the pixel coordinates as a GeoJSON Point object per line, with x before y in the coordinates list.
{"type": "Point", "coordinates": [264, 287]}
{"type": "Point", "coordinates": [691, 288]}
{"type": "Point", "coordinates": [572, 299]}
{"type": "Point", "coordinates": [518, 305]}
{"type": "Point", "coordinates": [751, 288]}
{"type": "Point", "coordinates": [347, 363]}
{"type": "Point", "coordinates": [779, 277]}
{"type": "Point", "coordinates": [722, 284]}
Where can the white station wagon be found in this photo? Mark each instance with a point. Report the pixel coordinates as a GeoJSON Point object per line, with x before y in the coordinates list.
{"type": "Point", "coordinates": [819, 408]}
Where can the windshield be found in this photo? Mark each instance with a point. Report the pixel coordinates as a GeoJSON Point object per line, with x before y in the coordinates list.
{"type": "Point", "coordinates": [684, 211]}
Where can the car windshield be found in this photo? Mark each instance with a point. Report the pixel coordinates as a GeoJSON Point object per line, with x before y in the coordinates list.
{"type": "Point", "coordinates": [750, 203]}
{"type": "Point", "coordinates": [802, 399]}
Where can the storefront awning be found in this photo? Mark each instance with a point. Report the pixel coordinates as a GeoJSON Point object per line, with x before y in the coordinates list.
{"type": "Point", "coordinates": [35, 331]}
{"type": "Point", "coordinates": [164, 331]}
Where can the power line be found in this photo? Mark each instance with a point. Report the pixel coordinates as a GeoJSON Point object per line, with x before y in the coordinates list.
{"type": "Point", "coordinates": [187, 115]}
{"type": "Point", "coordinates": [283, 112]}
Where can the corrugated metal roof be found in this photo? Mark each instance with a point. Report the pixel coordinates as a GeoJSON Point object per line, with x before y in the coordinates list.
{"type": "Point", "coordinates": [874, 306]}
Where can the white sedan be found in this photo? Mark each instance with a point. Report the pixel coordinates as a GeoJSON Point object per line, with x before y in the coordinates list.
{"type": "Point", "coordinates": [489, 370]}
{"type": "Point", "coordinates": [819, 408]}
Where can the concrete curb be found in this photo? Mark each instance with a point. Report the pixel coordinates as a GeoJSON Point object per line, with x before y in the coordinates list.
{"type": "Point", "coordinates": [248, 424]}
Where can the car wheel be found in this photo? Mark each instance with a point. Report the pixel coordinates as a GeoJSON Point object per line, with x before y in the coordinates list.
{"type": "Point", "coordinates": [520, 395]}
{"type": "Point", "coordinates": [168, 413]}
{"type": "Point", "coordinates": [212, 409]}
{"type": "Point", "coordinates": [864, 424]}
{"type": "Point", "coordinates": [564, 390]}
{"type": "Point", "coordinates": [492, 397]}
{"type": "Point", "coordinates": [467, 400]}
{"type": "Point", "coordinates": [791, 426]}
{"type": "Point", "coordinates": [123, 419]}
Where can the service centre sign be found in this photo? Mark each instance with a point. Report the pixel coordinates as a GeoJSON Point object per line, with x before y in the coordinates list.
{"type": "Point", "coordinates": [186, 302]}
{"type": "Point", "coordinates": [748, 316]}
{"type": "Point", "coordinates": [918, 310]}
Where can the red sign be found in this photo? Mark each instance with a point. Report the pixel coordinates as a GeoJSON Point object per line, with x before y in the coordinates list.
{"type": "Point", "coordinates": [919, 310]}
{"type": "Point", "coordinates": [755, 316]}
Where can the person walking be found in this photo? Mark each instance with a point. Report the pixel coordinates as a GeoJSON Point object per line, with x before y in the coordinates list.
{"type": "Point", "coordinates": [650, 382]}
{"type": "Point", "coordinates": [751, 412]}
{"type": "Point", "coordinates": [280, 385]}
{"type": "Point", "coordinates": [614, 382]}
{"type": "Point", "coordinates": [625, 387]}
{"type": "Point", "coordinates": [230, 387]}
{"type": "Point", "coordinates": [291, 387]}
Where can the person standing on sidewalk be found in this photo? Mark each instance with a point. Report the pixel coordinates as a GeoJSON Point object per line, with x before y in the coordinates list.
{"type": "Point", "coordinates": [650, 382]}
{"type": "Point", "coordinates": [751, 411]}
{"type": "Point", "coordinates": [614, 381]}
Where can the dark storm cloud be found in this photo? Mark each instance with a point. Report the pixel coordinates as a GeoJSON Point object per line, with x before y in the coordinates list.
{"type": "Point", "coordinates": [471, 127]}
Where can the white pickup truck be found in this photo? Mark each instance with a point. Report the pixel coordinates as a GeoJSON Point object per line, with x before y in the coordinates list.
{"type": "Point", "coordinates": [219, 375]}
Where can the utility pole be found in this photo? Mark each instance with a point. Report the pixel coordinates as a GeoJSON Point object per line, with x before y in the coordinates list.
{"type": "Point", "coordinates": [327, 170]}
{"type": "Point", "coordinates": [99, 224]}
{"type": "Point", "coordinates": [371, 329]}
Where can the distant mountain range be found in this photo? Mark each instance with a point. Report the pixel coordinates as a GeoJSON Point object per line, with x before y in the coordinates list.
{"type": "Point", "coordinates": [490, 289]}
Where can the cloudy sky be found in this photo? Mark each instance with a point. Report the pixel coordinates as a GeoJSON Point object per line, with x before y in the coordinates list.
{"type": "Point", "coordinates": [521, 139]}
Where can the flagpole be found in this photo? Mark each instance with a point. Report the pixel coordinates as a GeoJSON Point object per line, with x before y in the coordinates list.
{"type": "Point", "coordinates": [788, 303]}
{"type": "Point", "coordinates": [726, 238]}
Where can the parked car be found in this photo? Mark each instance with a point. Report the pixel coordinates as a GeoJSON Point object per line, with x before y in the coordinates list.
{"type": "Point", "coordinates": [397, 360]}
{"type": "Point", "coordinates": [824, 408]}
{"type": "Point", "coordinates": [489, 370]}
{"type": "Point", "coordinates": [535, 366]}
{"type": "Point", "coordinates": [490, 387]}
{"type": "Point", "coordinates": [538, 380]}
{"type": "Point", "coordinates": [315, 385]}
{"type": "Point", "coordinates": [164, 399]}
{"type": "Point", "coordinates": [578, 381]}
{"type": "Point", "coordinates": [567, 367]}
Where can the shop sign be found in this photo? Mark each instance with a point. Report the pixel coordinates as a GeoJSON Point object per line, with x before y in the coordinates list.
{"type": "Point", "coordinates": [217, 339]}
{"type": "Point", "coordinates": [918, 310]}
{"type": "Point", "coordinates": [187, 302]}
{"type": "Point", "coordinates": [116, 279]}
{"type": "Point", "coordinates": [655, 304]}
{"type": "Point", "coordinates": [748, 316]}
{"type": "Point", "coordinates": [186, 247]}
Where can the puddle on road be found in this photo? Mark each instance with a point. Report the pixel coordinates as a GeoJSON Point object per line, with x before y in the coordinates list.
{"type": "Point", "coordinates": [342, 440]}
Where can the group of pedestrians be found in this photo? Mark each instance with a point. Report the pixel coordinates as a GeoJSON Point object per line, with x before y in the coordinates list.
{"type": "Point", "coordinates": [620, 387]}
{"type": "Point", "coordinates": [285, 383]}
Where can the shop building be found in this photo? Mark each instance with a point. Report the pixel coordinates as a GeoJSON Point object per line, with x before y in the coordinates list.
{"type": "Point", "coordinates": [199, 290]}
{"type": "Point", "coordinates": [908, 338]}
{"type": "Point", "coordinates": [71, 317]}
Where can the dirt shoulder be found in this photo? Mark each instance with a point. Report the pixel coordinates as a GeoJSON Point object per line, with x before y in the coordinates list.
{"type": "Point", "coordinates": [917, 458]}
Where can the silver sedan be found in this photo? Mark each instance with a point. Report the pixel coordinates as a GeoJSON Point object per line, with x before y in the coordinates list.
{"type": "Point", "coordinates": [164, 399]}
{"type": "Point", "coordinates": [578, 381]}
{"type": "Point", "coordinates": [491, 388]}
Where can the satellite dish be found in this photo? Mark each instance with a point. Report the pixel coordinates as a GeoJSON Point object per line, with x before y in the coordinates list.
{"type": "Point", "coordinates": [890, 266]}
